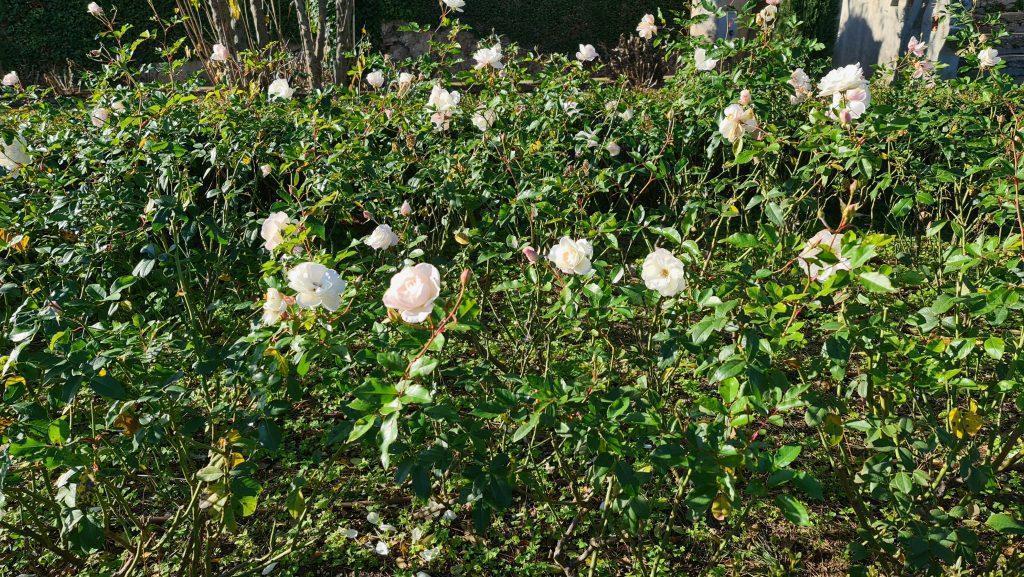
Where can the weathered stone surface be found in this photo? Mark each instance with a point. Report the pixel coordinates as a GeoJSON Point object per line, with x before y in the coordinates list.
{"type": "Point", "coordinates": [399, 45]}
{"type": "Point", "coordinates": [874, 32]}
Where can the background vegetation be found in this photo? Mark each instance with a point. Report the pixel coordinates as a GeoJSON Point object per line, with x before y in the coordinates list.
{"type": "Point", "coordinates": [38, 36]}
{"type": "Point", "coordinates": [760, 421]}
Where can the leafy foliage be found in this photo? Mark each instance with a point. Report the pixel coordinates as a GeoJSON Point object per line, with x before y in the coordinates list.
{"type": "Point", "coordinates": [535, 419]}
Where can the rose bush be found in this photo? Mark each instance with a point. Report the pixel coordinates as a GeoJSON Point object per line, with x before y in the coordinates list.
{"type": "Point", "coordinates": [782, 338]}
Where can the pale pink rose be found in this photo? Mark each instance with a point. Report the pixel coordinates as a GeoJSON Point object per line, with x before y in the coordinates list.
{"type": "Point", "coordinates": [745, 98]}
{"type": "Point", "coordinates": [381, 238]}
{"type": "Point", "coordinates": [916, 47]}
{"type": "Point", "coordinates": [413, 292]}
{"type": "Point", "coordinates": [11, 79]}
{"type": "Point", "coordinates": [316, 285]}
{"type": "Point", "coordinates": [530, 254]}
{"type": "Point", "coordinates": [406, 209]}
{"type": "Point", "coordinates": [95, 9]}
{"type": "Point", "coordinates": [99, 116]}
{"type": "Point", "coordinates": [647, 28]}
{"type": "Point", "coordinates": [219, 53]}
{"type": "Point", "coordinates": [272, 228]}
{"type": "Point", "coordinates": [817, 269]}
{"type": "Point", "coordinates": [586, 53]}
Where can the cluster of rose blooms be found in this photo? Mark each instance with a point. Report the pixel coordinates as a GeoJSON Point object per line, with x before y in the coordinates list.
{"type": "Point", "coordinates": [847, 86]}
{"type": "Point", "coordinates": [412, 291]}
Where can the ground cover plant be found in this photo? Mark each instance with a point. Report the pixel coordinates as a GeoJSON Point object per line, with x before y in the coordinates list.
{"type": "Point", "coordinates": [764, 319]}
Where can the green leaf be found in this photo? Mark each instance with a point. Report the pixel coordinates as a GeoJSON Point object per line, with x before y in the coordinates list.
{"type": "Point", "coordinates": [793, 509]}
{"type": "Point", "coordinates": [361, 427]}
{"type": "Point", "coordinates": [903, 482]}
{"type": "Point", "coordinates": [876, 282]}
{"type": "Point", "coordinates": [729, 369]}
{"type": "Point", "coordinates": [106, 386]}
{"type": "Point", "coordinates": [995, 346]}
{"type": "Point", "coordinates": [1004, 523]}
{"type": "Point", "coordinates": [416, 393]}
{"type": "Point", "coordinates": [388, 434]}
{"type": "Point", "coordinates": [210, 474]}
{"type": "Point", "coordinates": [786, 455]}
{"type": "Point", "coordinates": [526, 427]}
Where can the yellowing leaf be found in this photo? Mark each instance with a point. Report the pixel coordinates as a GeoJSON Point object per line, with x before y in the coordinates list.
{"type": "Point", "coordinates": [965, 423]}
{"type": "Point", "coordinates": [721, 507]}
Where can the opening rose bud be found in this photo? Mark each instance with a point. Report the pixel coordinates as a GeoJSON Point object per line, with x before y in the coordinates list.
{"type": "Point", "coordinates": [464, 277]}
{"type": "Point", "coordinates": [531, 254]}
{"type": "Point", "coordinates": [845, 116]}
{"type": "Point", "coordinates": [745, 98]}
{"type": "Point", "coordinates": [406, 209]}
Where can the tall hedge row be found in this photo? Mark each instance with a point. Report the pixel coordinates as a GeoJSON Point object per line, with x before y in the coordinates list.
{"type": "Point", "coordinates": [37, 36]}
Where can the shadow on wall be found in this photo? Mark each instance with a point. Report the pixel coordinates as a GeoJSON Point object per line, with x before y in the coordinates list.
{"type": "Point", "coordinates": [857, 43]}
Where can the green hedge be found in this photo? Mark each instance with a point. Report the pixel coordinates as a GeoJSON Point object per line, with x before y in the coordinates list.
{"type": "Point", "coordinates": [38, 36]}
{"type": "Point", "coordinates": [41, 35]}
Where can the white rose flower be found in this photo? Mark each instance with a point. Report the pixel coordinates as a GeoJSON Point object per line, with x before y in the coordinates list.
{"type": "Point", "coordinates": [405, 81]}
{"type": "Point", "coordinates": [647, 28]}
{"type": "Point", "coordinates": [14, 155]}
{"type": "Point", "coordinates": [442, 105]}
{"type": "Point", "coordinates": [413, 291]}
{"type": "Point", "coordinates": [375, 79]}
{"type": "Point", "coordinates": [94, 9]}
{"type": "Point", "coordinates": [219, 53]}
{"type": "Point", "coordinates": [842, 79]}
{"type": "Point", "coordinates": [455, 5]}
{"type": "Point", "coordinates": [572, 256]}
{"type": "Point", "coordinates": [274, 307]}
{"type": "Point", "coordinates": [11, 79]}
{"type": "Point", "coordinates": [767, 15]}
{"type": "Point", "coordinates": [484, 119]}
{"type": "Point", "coordinates": [801, 84]}
{"type": "Point", "coordinates": [736, 121]}
{"type": "Point", "coordinates": [381, 238]}
{"type": "Point", "coordinates": [489, 57]}
{"type": "Point", "coordinates": [99, 116]}
{"type": "Point", "coordinates": [316, 285]}
{"type": "Point", "coordinates": [816, 269]}
{"type": "Point", "coordinates": [271, 229]}
{"type": "Point", "coordinates": [702, 62]}
{"type": "Point", "coordinates": [988, 58]}
{"type": "Point", "coordinates": [588, 137]}
{"type": "Point", "coordinates": [664, 273]}
{"type": "Point", "coordinates": [280, 89]}
{"type": "Point", "coordinates": [586, 53]}
{"type": "Point", "coordinates": [613, 148]}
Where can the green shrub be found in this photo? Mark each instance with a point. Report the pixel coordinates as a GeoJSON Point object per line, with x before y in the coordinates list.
{"type": "Point", "coordinates": [39, 36]}
{"type": "Point", "coordinates": [836, 387]}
